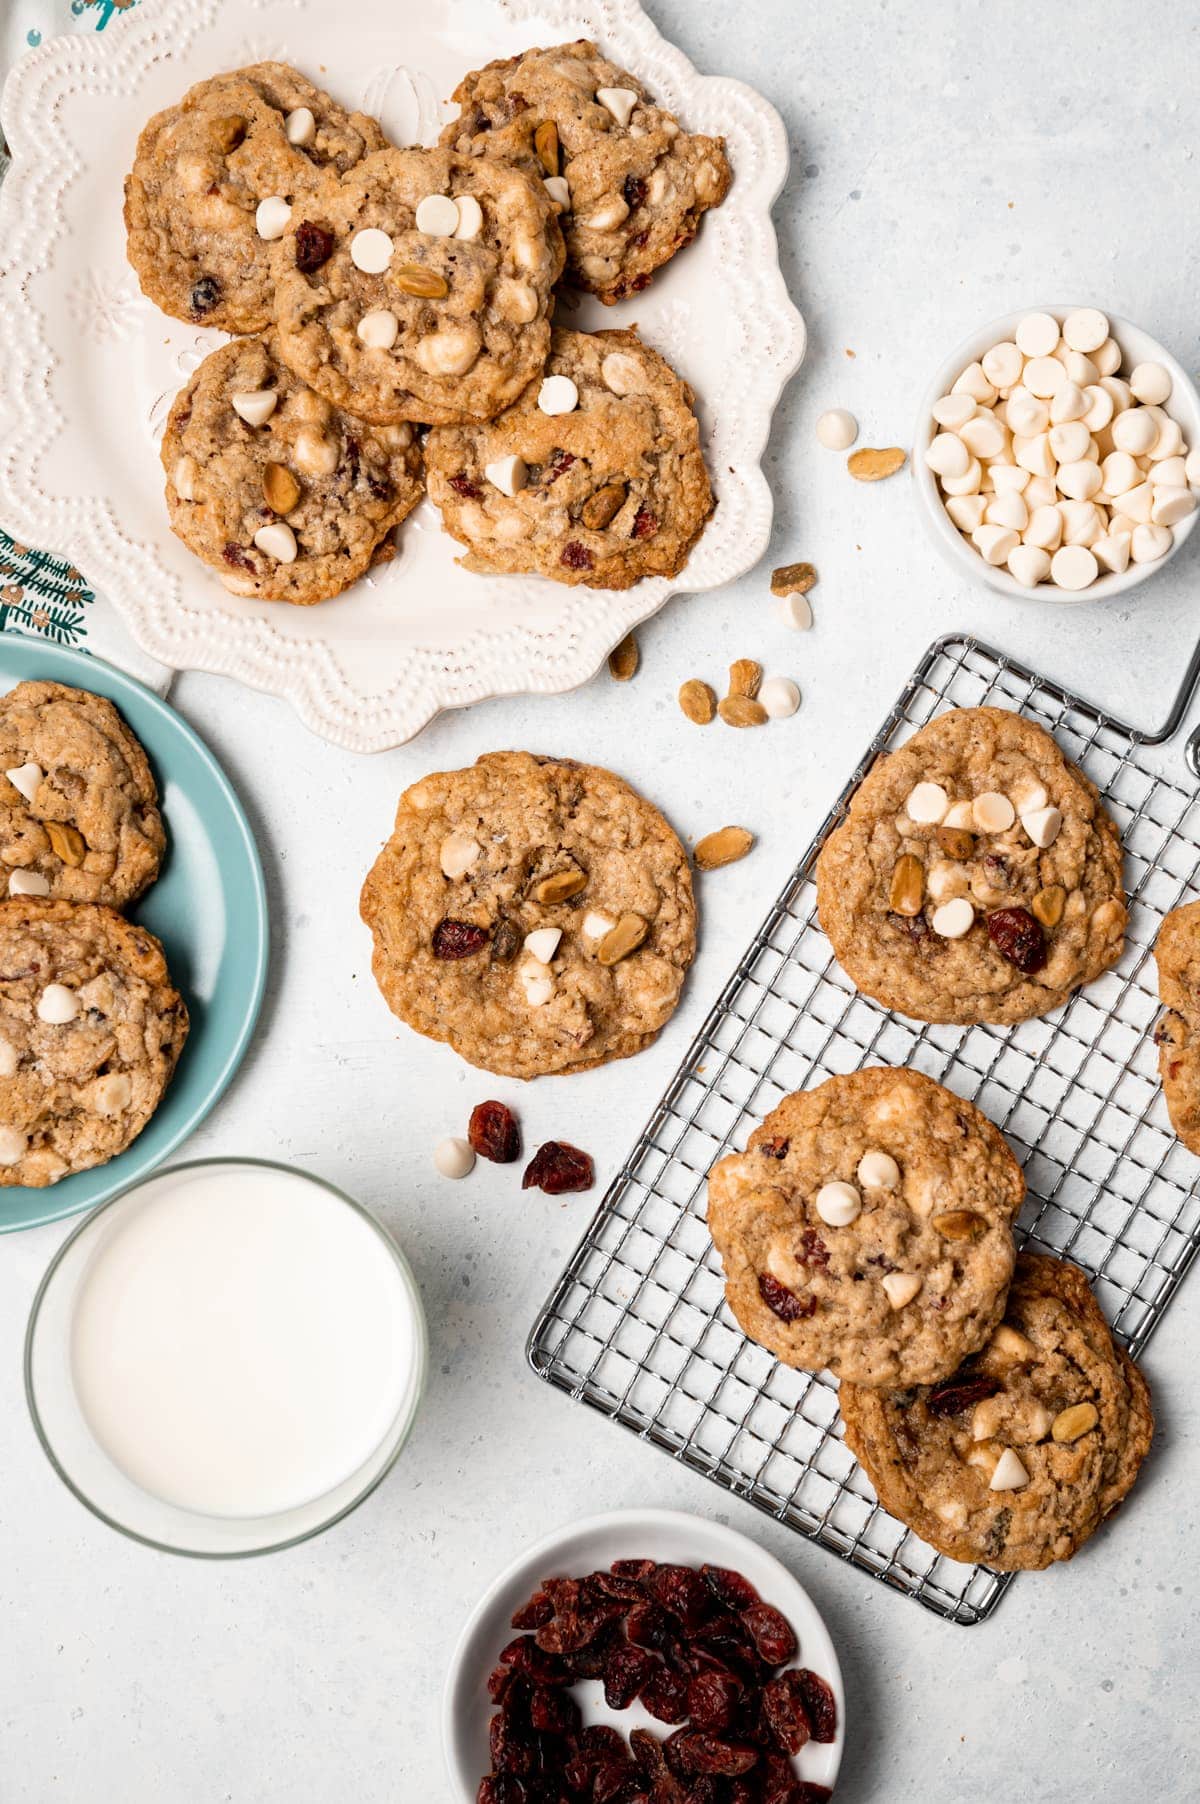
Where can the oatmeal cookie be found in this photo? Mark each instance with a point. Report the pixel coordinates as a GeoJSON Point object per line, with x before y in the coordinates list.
{"type": "Point", "coordinates": [631, 185]}
{"type": "Point", "coordinates": [195, 239]}
{"type": "Point", "coordinates": [867, 1228]}
{"type": "Point", "coordinates": [1020, 1456]}
{"type": "Point", "coordinates": [535, 913]}
{"type": "Point", "coordinates": [288, 497]}
{"type": "Point", "coordinates": [605, 493]}
{"type": "Point", "coordinates": [976, 876]}
{"type": "Point", "coordinates": [90, 1032]}
{"type": "Point", "coordinates": [1177, 955]}
{"type": "Point", "coordinates": [421, 288]}
{"type": "Point", "coordinates": [79, 816]}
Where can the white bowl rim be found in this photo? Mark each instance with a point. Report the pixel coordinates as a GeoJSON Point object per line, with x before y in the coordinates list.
{"type": "Point", "coordinates": [943, 530]}
{"type": "Point", "coordinates": [811, 1631]}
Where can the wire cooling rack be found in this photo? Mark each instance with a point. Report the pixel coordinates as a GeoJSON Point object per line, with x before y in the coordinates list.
{"type": "Point", "coordinates": [637, 1327]}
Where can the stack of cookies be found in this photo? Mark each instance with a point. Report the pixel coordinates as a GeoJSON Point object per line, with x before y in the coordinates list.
{"type": "Point", "coordinates": [91, 1026]}
{"type": "Point", "coordinates": [380, 292]}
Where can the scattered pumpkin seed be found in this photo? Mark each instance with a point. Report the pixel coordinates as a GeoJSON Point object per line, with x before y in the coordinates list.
{"type": "Point", "coordinates": [622, 939]}
{"type": "Point", "coordinates": [560, 886]}
{"type": "Point", "coordinates": [872, 466]}
{"type": "Point", "coordinates": [744, 677]}
{"type": "Point", "coordinates": [545, 142]}
{"type": "Point", "coordinates": [742, 711]}
{"type": "Point", "coordinates": [725, 846]}
{"type": "Point", "coordinates": [623, 659]}
{"type": "Point", "coordinates": [793, 579]}
{"type": "Point", "coordinates": [426, 284]}
{"type": "Point", "coordinates": [698, 701]}
{"type": "Point", "coordinates": [66, 842]}
{"type": "Point", "coordinates": [281, 491]}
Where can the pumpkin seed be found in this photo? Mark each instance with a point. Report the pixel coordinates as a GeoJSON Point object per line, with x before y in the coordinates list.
{"type": "Point", "coordinates": [426, 284]}
{"type": "Point", "coordinates": [872, 466]}
{"type": "Point", "coordinates": [742, 711]}
{"type": "Point", "coordinates": [623, 659]}
{"type": "Point", "coordinates": [281, 491]}
{"type": "Point", "coordinates": [698, 701]}
{"type": "Point", "coordinates": [622, 939]}
{"type": "Point", "coordinates": [66, 842]}
{"type": "Point", "coordinates": [560, 886]}
{"type": "Point", "coordinates": [744, 677]}
{"type": "Point", "coordinates": [725, 846]}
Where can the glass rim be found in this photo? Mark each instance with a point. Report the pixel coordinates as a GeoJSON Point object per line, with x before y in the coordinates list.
{"type": "Point", "coordinates": [87, 1221]}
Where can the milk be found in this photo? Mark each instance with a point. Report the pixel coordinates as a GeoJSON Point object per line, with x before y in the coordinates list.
{"type": "Point", "coordinates": [242, 1339]}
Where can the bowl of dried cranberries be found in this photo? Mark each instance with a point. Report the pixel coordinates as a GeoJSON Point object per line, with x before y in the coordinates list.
{"type": "Point", "coordinates": [644, 1657]}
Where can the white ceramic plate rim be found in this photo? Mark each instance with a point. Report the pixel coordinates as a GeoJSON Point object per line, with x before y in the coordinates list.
{"type": "Point", "coordinates": [942, 529]}
{"type": "Point", "coordinates": [49, 489]}
{"type": "Point", "coordinates": [729, 1548]}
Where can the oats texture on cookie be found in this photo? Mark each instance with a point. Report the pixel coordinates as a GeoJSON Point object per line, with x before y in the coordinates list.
{"type": "Point", "coordinates": [630, 184]}
{"type": "Point", "coordinates": [79, 819]}
{"type": "Point", "coordinates": [421, 288]}
{"type": "Point", "coordinates": [1177, 955]}
{"type": "Point", "coordinates": [867, 1228]}
{"type": "Point", "coordinates": [535, 913]}
{"type": "Point", "coordinates": [1020, 1455]}
{"type": "Point", "coordinates": [594, 475]}
{"type": "Point", "coordinates": [289, 498]}
{"type": "Point", "coordinates": [976, 876]}
{"type": "Point", "coordinates": [214, 183]}
{"type": "Point", "coordinates": [91, 1027]}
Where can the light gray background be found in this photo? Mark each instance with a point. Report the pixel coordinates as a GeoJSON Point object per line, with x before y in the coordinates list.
{"type": "Point", "coordinates": [949, 163]}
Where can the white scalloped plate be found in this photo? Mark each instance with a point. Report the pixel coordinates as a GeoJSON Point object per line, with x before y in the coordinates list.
{"type": "Point", "coordinates": [89, 366]}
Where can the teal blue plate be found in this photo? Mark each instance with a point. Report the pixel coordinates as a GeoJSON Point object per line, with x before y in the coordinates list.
{"type": "Point", "coordinates": [209, 909]}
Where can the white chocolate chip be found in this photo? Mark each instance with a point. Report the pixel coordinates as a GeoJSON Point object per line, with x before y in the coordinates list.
{"type": "Point", "coordinates": [1069, 440]}
{"type": "Point", "coordinates": [1037, 335]}
{"type": "Point", "coordinates": [437, 216]}
{"type": "Point", "coordinates": [558, 394]}
{"type": "Point", "coordinates": [1002, 365]}
{"type": "Point", "coordinates": [878, 1171]}
{"type": "Point", "coordinates": [622, 373]}
{"type": "Point", "coordinates": [255, 408]}
{"type": "Point", "coordinates": [451, 351]}
{"type": "Point", "coordinates": [780, 696]}
{"type": "Point", "coordinates": [927, 804]}
{"type": "Point", "coordinates": [1073, 567]}
{"type": "Point", "coordinates": [1045, 528]}
{"type": "Point", "coordinates": [1107, 358]}
{"type": "Point", "coordinates": [25, 778]}
{"type": "Point", "coordinates": [1193, 466]}
{"type": "Point", "coordinates": [508, 474]}
{"type": "Point", "coordinates": [470, 217]}
{"type": "Point", "coordinates": [183, 478]}
{"type": "Point", "coordinates": [518, 301]}
{"type": "Point", "coordinates": [974, 382]}
{"type": "Point", "coordinates": [1007, 509]}
{"type": "Point", "coordinates": [901, 1288]}
{"type": "Point", "coordinates": [457, 854]}
{"type": "Point", "coordinates": [1081, 520]}
{"type": "Point", "coordinates": [313, 453]}
{"type": "Point", "coordinates": [371, 251]}
{"type": "Point", "coordinates": [1171, 473]}
{"type": "Point", "coordinates": [837, 429]}
{"type": "Point", "coordinates": [951, 411]}
{"type": "Point", "coordinates": [1040, 491]}
{"type": "Point", "coordinates": [13, 1146]}
{"type": "Point", "coordinates": [9, 1059]}
{"type": "Point", "coordinates": [596, 925]}
{"type": "Point", "coordinates": [28, 883]}
{"type": "Point", "coordinates": [1009, 479]}
{"type": "Point", "coordinates": [454, 1158]}
{"type": "Point", "coordinates": [838, 1204]}
{"type": "Point", "coordinates": [537, 984]}
{"type": "Point", "coordinates": [1025, 413]}
{"type": "Point", "coordinates": [1080, 480]}
{"type": "Point", "coordinates": [966, 511]}
{"type": "Point", "coordinates": [1135, 431]}
{"type": "Point", "coordinates": [1119, 473]}
{"type": "Point", "coordinates": [272, 217]}
{"type": "Point", "coordinates": [985, 436]}
{"type": "Point", "coordinates": [964, 485]}
{"type": "Point", "coordinates": [612, 213]}
{"type": "Point", "coordinates": [796, 611]}
{"type": "Point", "coordinates": [1137, 502]}
{"type": "Point", "coordinates": [559, 191]}
{"type": "Point", "coordinates": [1150, 383]}
{"type": "Point", "coordinates": [995, 543]}
{"type": "Point", "coordinates": [1034, 454]}
{"type": "Point", "coordinates": [57, 1005]}
{"type": "Point", "coordinates": [1086, 329]}
{"type": "Point", "coordinates": [948, 455]}
{"type": "Point", "coordinates": [961, 814]}
{"type": "Point", "coordinates": [300, 126]}
{"type": "Point", "coordinates": [1044, 376]}
{"type": "Point", "coordinates": [379, 329]}
{"type": "Point", "coordinates": [1113, 552]}
{"type": "Point", "coordinates": [1171, 506]}
{"type": "Point", "coordinates": [1080, 369]}
{"type": "Point", "coordinates": [620, 102]}
{"type": "Point", "coordinates": [1100, 408]}
{"type": "Point", "coordinates": [1118, 392]}
{"type": "Point", "coordinates": [542, 943]}
{"type": "Point", "coordinates": [1029, 565]}
{"type": "Point", "coordinates": [278, 541]}
{"type": "Point", "coordinates": [112, 1093]}
{"type": "Point", "coordinates": [1169, 442]}
{"type": "Point", "coordinates": [953, 918]}
{"type": "Point", "coordinates": [1149, 543]}
{"type": "Point", "coordinates": [1010, 1474]}
{"type": "Point", "coordinates": [1043, 825]}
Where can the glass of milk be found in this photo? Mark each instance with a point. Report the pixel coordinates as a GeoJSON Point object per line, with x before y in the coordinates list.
{"type": "Point", "coordinates": [225, 1359]}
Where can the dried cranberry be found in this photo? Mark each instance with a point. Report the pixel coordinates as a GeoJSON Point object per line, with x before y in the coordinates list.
{"type": "Point", "coordinates": [784, 1712]}
{"type": "Point", "coordinates": [553, 1712]}
{"type": "Point", "coordinates": [576, 556]}
{"type": "Point", "coordinates": [813, 1250]}
{"type": "Point", "coordinates": [462, 485]}
{"type": "Point", "coordinates": [962, 1392]}
{"type": "Point", "coordinates": [771, 1633]}
{"type": "Point", "coordinates": [645, 524]}
{"type": "Point", "coordinates": [736, 1592]}
{"type": "Point", "coordinates": [499, 1683]}
{"type": "Point", "coordinates": [639, 239]}
{"type": "Point", "coordinates": [494, 1134]}
{"type": "Point", "coordinates": [805, 1792]}
{"type": "Point", "coordinates": [233, 554]}
{"type": "Point", "coordinates": [693, 1751]}
{"type": "Point", "coordinates": [637, 1570]}
{"type": "Point", "coordinates": [774, 1149]}
{"type": "Point", "coordinates": [457, 939]}
{"type": "Point", "coordinates": [916, 927]}
{"type": "Point", "coordinates": [712, 1700]}
{"type": "Point", "coordinates": [314, 246]}
{"type": "Point", "coordinates": [626, 1671]}
{"type": "Point", "coordinates": [1018, 938]}
{"type": "Point", "coordinates": [517, 102]}
{"type": "Point", "coordinates": [648, 1626]}
{"type": "Point", "coordinates": [532, 1661]}
{"type": "Point", "coordinates": [557, 1168]}
{"type": "Point", "coordinates": [682, 1591]}
{"type": "Point", "coordinates": [556, 465]}
{"type": "Point", "coordinates": [532, 1615]}
{"type": "Point", "coordinates": [634, 191]}
{"type": "Point", "coordinates": [647, 1751]}
{"type": "Point", "coordinates": [665, 1696]}
{"type": "Point", "coordinates": [618, 1783]}
{"type": "Point", "coordinates": [501, 1788]}
{"type": "Point", "coordinates": [784, 1302]}
{"type": "Point", "coordinates": [205, 295]}
{"type": "Point", "coordinates": [819, 1703]}
{"type": "Point", "coordinates": [510, 1744]}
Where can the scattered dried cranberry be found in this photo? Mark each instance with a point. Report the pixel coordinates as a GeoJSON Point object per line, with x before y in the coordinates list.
{"type": "Point", "coordinates": [314, 246]}
{"type": "Point", "coordinates": [819, 1703]}
{"type": "Point", "coordinates": [962, 1392]}
{"type": "Point", "coordinates": [462, 485]}
{"type": "Point", "coordinates": [784, 1302]}
{"type": "Point", "coordinates": [634, 191]}
{"type": "Point", "coordinates": [494, 1134]}
{"type": "Point", "coordinates": [771, 1633]}
{"type": "Point", "coordinates": [774, 1149]}
{"type": "Point", "coordinates": [205, 294]}
{"type": "Point", "coordinates": [813, 1250]}
{"type": "Point", "coordinates": [1018, 938]}
{"type": "Point", "coordinates": [785, 1714]}
{"type": "Point", "coordinates": [556, 465]}
{"type": "Point", "coordinates": [233, 554]}
{"type": "Point", "coordinates": [915, 926]}
{"type": "Point", "coordinates": [576, 556]}
{"type": "Point", "coordinates": [457, 939]}
{"type": "Point", "coordinates": [645, 524]}
{"type": "Point", "coordinates": [556, 1168]}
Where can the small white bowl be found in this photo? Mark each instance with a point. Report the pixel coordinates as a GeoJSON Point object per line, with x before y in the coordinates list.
{"type": "Point", "coordinates": [668, 1536]}
{"type": "Point", "coordinates": [1136, 347]}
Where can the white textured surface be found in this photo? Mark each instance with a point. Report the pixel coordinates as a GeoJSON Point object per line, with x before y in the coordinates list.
{"type": "Point", "coordinates": [314, 1677]}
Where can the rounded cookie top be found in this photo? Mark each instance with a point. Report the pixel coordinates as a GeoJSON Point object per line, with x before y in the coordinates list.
{"type": "Point", "coordinates": [91, 1028]}
{"type": "Point", "coordinates": [420, 288]}
{"type": "Point", "coordinates": [1019, 1457]}
{"type": "Point", "coordinates": [288, 497]}
{"type": "Point", "coordinates": [79, 816]}
{"type": "Point", "coordinates": [1177, 1036]}
{"type": "Point", "coordinates": [196, 239]}
{"type": "Point", "coordinates": [608, 487]}
{"type": "Point", "coordinates": [535, 913]}
{"type": "Point", "coordinates": [632, 186]}
{"type": "Point", "coordinates": [867, 1228]}
{"type": "Point", "coordinates": [976, 876]}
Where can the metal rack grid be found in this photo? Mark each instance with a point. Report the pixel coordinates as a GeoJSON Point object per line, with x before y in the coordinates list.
{"type": "Point", "coordinates": [636, 1325]}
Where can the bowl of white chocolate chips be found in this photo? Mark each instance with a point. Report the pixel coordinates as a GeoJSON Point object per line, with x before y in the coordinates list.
{"type": "Point", "coordinates": [1058, 455]}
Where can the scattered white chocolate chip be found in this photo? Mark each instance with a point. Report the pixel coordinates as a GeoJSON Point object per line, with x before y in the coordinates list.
{"type": "Point", "coordinates": [1069, 441]}
{"type": "Point", "coordinates": [1150, 383]}
{"type": "Point", "coordinates": [313, 453]}
{"type": "Point", "coordinates": [620, 102]}
{"type": "Point", "coordinates": [1068, 407]}
{"type": "Point", "coordinates": [8, 1057]}
{"type": "Point", "coordinates": [112, 1093]}
{"type": "Point", "coordinates": [1073, 567]}
{"type": "Point", "coordinates": [878, 1171]}
{"type": "Point", "coordinates": [953, 918]}
{"type": "Point", "coordinates": [838, 1204]}
{"type": "Point", "coordinates": [964, 485]}
{"type": "Point", "coordinates": [371, 250]}
{"type": "Point", "coordinates": [1170, 472]}
{"type": "Point", "coordinates": [57, 1005]}
{"type": "Point", "coordinates": [1100, 408]}
{"type": "Point", "coordinates": [450, 351]}
{"type": "Point", "coordinates": [454, 1158]}
{"type": "Point", "coordinates": [25, 778]}
{"type": "Point", "coordinates": [612, 213]}
{"type": "Point", "coordinates": [779, 695]}
{"type": "Point", "coordinates": [470, 217]}
{"type": "Point", "coordinates": [1009, 479]}
{"type": "Point", "coordinates": [457, 854]}
{"type": "Point", "coordinates": [437, 216]}
{"type": "Point", "coordinates": [623, 373]}
{"type": "Point", "coordinates": [1029, 565]}
{"type": "Point", "coordinates": [796, 611]}
{"type": "Point", "coordinates": [537, 984]}
{"type": "Point", "coordinates": [1025, 414]}
{"type": "Point", "coordinates": [927, 804]}
{"type": "Point", "coordinates": [379, 329]}
{"type": "Point", "coordinates": [278, 541]}
{"type": "Point", "coordinates": [558, 394]}
{"type": "Point", "coordinates": [1010, 1474]}
{"type": "Point", "coordinates": [837, 429]}
{"type": "Point", "coordinates": [960, 814]}
{"type": "Point", "coordinates": [508, 474]}
{"type": "Point", "coordinates": [1029, 796]}
{"type": "Point", "coordinates": [901, 1287]}
{"type": "Point", "coordinates": [13, 1146]}
{"type": "Point", "coordinates": [28, 883]}
{"type": "Point", "coordinates": [300, 126]}
{"type": "Point", "coordinates": [542, 943]}
{"type": "Point", "coordinates": [255, 408]}
{"type": "Point", "coordinates": [272, 217]}
{"type": "Point", "coordinates": [1006, 509]}
{"type": "Point", "coordinates": [183, 478]}
{"type": "Point", "coordinates": [1043, 825]}
{"type": "Point", "coordinates": [596, 924]}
